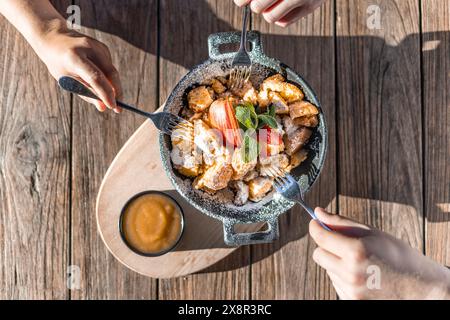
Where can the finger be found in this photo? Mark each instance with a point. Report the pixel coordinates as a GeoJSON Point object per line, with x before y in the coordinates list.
{"type": "Point", "coordinates": [293, 16]}
{"type": "Point", "coordinates": [348, 291]}
{"type": "Point", "coordinates": [332, 241]}
{"type": "Point", "coordinates": [334, 219]}
{"type": "Point", "coordinates": [114, 78]}
{"type": "Point", "coordinates": [259, 6]}
{"type": "Point", "coordinates": [342, 224]}
{"type": "Point", "coordinates": [242, 3]}
{"type": "Point", "coordinates": [297, 13]}
{"type": "Point", "coordinates": [103, 59]}
{"type": "Point", "coordinates": [338, 284]}
{"type": "Point", "coordinates": [327, 260]}
{"type": "Point", "coordinates": [96, 79]}
{"type": "Point", "coordinates": [333, 264]}
{"type": "Point", "coordinates": [279, 10]}
{"type": "Point", "coordinates": [97, 103]}
{"type": "Point", "coordinates": [341, 294]}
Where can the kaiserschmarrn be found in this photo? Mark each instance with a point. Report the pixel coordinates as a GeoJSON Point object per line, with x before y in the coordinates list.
{"type": "Point", "coordinates": [241, 137]}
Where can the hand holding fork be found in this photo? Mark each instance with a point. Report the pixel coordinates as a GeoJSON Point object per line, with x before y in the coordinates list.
{"type": "Point", "coordinates": [166, 122]}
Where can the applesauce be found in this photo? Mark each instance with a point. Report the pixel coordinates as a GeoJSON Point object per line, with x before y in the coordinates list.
{"type": "Point", "coordinates": [151, 223]}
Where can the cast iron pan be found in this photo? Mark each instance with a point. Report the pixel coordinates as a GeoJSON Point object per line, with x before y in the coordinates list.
{"type": "Point", "coordinates": [218, 206]}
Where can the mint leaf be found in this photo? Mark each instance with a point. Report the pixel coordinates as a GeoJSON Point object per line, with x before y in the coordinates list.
{"type": "Point", "coordinates": [248, 105]}
{"type": "Point", "coordinates": [265, 119]}
{"type": "Point", "coordinates": [249, 147]}
{"type": "Point", "coordinates": [247, 116]}
{"type": "Point", "coordinates": [271, 111]}
{"type": "Point", "coordinates": [243, 116]}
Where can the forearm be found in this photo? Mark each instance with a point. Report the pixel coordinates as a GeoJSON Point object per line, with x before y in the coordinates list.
{"type": "Point", "coordinates": [32, 18]}
{"type": "Point", "coordinates": [432, 280]}
{"type": "Point", "coordinates": [442, 284]}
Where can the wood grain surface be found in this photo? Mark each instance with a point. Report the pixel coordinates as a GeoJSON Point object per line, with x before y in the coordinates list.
{"type": "Point", "coordinates": [385, 93]}
{"type": "Point", "coordinates": [379, 117]}
{"type": "Point", "coordinates": [34, 174]}
{"type": "Point", "coordinates": [436, 124]}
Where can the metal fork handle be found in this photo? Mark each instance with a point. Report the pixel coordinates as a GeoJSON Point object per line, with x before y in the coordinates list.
{"type": "Point", "coordinates": [73, 85]}
{"type": "Point", "coordinates": [312, 214]}
{"type": "Point", "coordinates": [243, 45]}
{"type": "Point", "coordinates": [133, 109]}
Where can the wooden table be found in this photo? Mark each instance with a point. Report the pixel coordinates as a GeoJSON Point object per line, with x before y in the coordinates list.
{"type": "Point", "coordinates": [385, 92]}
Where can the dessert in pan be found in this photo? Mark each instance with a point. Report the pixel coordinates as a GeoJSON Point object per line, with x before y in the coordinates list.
{"type": "Point", "coordinates": [240, 136]}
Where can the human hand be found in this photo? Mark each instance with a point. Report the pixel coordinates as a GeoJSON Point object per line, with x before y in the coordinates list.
{"type": "Point", "coordinates": [281, 12]}
{"type": "Point", "coordinates": [365, 263]}
{"type": "Point", "coordinates": [69, 53]}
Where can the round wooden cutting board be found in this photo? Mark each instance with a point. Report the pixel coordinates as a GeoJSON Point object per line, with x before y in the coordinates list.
{"type": "Point", "coordinates": [136, 168]}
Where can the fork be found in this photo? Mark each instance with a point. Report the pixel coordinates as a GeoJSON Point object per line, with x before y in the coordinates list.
{"type": "Point", "coordinates": [166, 122]}
{"type": "Point", "coordinates": [242, 64]}
{"type": "Point", "coordinates": [288, 187]}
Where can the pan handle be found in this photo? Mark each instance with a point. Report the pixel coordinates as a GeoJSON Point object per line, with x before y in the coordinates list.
{"type": "Point", "coordinates": [237, 239]}
{"type": "Point", "coordinates": [215, 40]}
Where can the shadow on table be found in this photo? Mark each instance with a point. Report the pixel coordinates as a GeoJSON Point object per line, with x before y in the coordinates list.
{"type": "Point", "coordinates": [370, 72]}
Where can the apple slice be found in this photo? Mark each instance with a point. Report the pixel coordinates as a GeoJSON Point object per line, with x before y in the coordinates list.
{"type": "Point", "coordinates": [222, 118]}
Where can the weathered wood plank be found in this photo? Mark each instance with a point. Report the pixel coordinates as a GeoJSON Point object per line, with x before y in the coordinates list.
{"type": "Point", "coordinates": [34, 174]}
{"type": "Point", "coordinates": [183, 45]}
{"type": "Point", "coordinates": [379, 116]}
{"type": "Point", "coordinates": [285, 269]}
{"type": "Point", "coordinates": [436, 75]}
{"type": "Point", "coordinates": [129, 29]}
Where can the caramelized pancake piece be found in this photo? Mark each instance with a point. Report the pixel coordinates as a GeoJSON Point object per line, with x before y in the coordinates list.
{"type": "Point", "coordinates": [302, 109]}
{"type": "Point", "coordinates": [273, 164]}
{"type": "Point", "coordinates": [263, 99]}
{"type": "Point", "coordinates": [242, 91]}
{"type": "Point", "coordinates": [183, 154]}
{"type": "Point", "coordinates": [273, 83]}
{"type": "Point", "coordinates": [307, 121]}
{"type": "Point", "coordinates": [242, 192]}
{"type": "Point", "coordinates": [218, 86]}
{"type": "Point", "coordinates": [297, 159]}
{"type": "Point", "coordinates": [251, 96]}
{"type": "Point", "coordinates": [291, 93]}
{"type": "Point", "coordinates": [295, 141]}
{"type": "Point", "coordinates": [281, 106]}
{"type": "Point", "coordinates": [215, 177]}
{"type": "Point", "coordinates": [289, 125]}
{"type": "Point", "coordinates": [250, 176]}
{"type": "Point", "coordinates": [200, 98]}
{"type": "Point", "coordinates": [208, 141]}
{"type": "Point", "coordinates": [240, 167]}
{"type": "Point", "coordinates": [259, 187]}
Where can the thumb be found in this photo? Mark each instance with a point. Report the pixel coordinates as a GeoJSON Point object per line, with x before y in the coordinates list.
{"type": "Point", "coordinates": [342, 224]}
{"type": "Point", "coordinates": [241, 3]}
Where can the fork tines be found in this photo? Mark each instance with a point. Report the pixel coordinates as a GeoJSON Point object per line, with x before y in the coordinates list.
{"type": "Point", "coordinates": [279, 176]}
{"type": "Point", "coordinates": [175, 123]}
{"type": "Point", "coordinates": [239, 75]}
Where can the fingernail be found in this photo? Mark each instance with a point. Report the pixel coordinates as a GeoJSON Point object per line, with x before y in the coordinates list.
{"type": "Point", "coordinates": [320, 210]}
{"type": "Point", "coordinates": [255, 7]}
{"type": "Point", "coordinates": [100, 106]}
